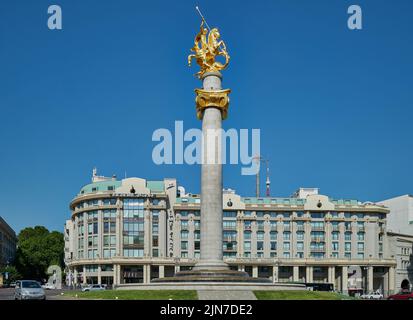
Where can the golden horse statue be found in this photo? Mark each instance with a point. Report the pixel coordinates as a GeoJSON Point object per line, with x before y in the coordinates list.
{"type": "Point", "coordinates": [205, 51]}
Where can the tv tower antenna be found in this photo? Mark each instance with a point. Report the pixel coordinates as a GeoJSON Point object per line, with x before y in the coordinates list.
{"type": "Point", "coordinates": [260, 159]}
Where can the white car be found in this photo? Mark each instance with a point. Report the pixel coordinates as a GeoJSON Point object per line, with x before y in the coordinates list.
{"type": "Point", "coordinates": [49, 286]}
{"type": "Point", "coordinates": [372, 295]}
{"type": "Point", "coordinates": [94, 287]}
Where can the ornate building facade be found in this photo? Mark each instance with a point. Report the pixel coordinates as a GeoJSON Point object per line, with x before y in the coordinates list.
{"type": "Point", "coordinates": [8, 241]}
{"type": "Point", "coordinates": [134, 230]}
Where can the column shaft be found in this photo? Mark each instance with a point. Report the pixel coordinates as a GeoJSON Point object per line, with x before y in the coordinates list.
{"type": "Point", "coordinates": [370, 279]}
{"type": "Point", "coordinates": [296, 273]}
{"type": "Point", "coordinates": [211, 185]}
{"type": "Point", "coordinates": [344, 279]}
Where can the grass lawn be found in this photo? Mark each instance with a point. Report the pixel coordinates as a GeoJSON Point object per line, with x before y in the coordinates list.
{"type": "Point", "coordinates": [136, 294]}
{"type": "Point", "coordinates": [299, 295]}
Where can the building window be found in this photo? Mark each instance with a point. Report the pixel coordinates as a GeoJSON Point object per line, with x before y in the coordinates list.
{"type": "Point", "coordinates": [317, 215]}
{"type": "Point", "coordinates": [184, 245]}
{"type": "Point", "coordinates": [184, 224]}
{"type": "Point", "coordinates": [260, 245]}
{"type": "Point", "coordinates": [286, 235]}
{"type": "Point", "coordinates": [300, 235]}
{"type": "Point", "coordinates": [335, 246]}
{"type": "Point", "coordinates": [109, 253]}
{"type": "Point", "coordinates": [230, 214]}
{"type": "Point", "coordinates": [184, 234]}
{"type": "Point", "coordinates": [133, 253]}
{"type": "Point", "coordinates": [360, 255]}
{"type": "Point", "coordinates": [109, 240]}
{"type": "Point", "coordinates": [299, 214]}
{"type": "Point", "coordinates": [273, 245]}
{"type": "Point", "coordinates": [286, 246]}
{"type": "Point", "coordinates": [300, 246]}
{"type": "Point", "coordinates": [334, 235]}
{"type": "Point", "coordinates": [109, 227]}
{"type": "Point", "coordinates": [347, 236]}
{"type": "Point", "coordinates": [231, 225]}
{"type": "Point", "coordinates": [247, 235]}
{"type": "Point", "coordinates": [273, 235]}
{"type": "Point", "coordinates": [286, 255]}
{"type": "Point", "coordinates": [347, 246]}
{"type": "Point", "coordinates": [247, 245]}
{"type": "Point", "coordinates": [260, 235]}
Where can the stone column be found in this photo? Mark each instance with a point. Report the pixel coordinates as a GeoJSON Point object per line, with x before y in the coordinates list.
{"type": "Point", "coordinates": [296, 273]}
{"type": "Point", "coordinates": [161, 271]}
{"type": "Point", "coordinates": [370, 279]}
{"type": "Point", "coordinates": [84, 275]}
{"type": "Point", "coordinates": [275, 273]}
{"type": "Point", "coordinates": [386, 284]}
{"type": "Point", "coordinates": [309, 274]}
{"type": "Point", "coordinates": [115, 279]}
{"type": "Point", "coordinates": [99, 274]}
{"type": "Point", "coordinates": [391, 280]}
{"type": "Point", "coordinates": [208, 105]}
{"type": "Point", "coordinates": [146, 273]}
{"type": "Point", "coordinates": [332, 276]}
{"type": "Point", "coordinates": [344, 279]}
{"type": "Point", "coordinates": [255, 272]}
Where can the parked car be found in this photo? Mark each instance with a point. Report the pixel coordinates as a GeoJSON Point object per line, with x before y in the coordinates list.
{"type": "Point", "coordinates": [402, 295]}
{"type": "Point", "coordinates": [49, 286]}
{"type": "Point", "coordinates": [29, 290]}
{"type": "Point", "coordinates": [94, 287]}
{"type": "Point", "coordinates": [376, 295]}
{"type": "Point", "coordinates": [12, 284]}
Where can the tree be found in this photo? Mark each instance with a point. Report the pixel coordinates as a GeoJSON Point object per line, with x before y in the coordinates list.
{"type": "Point", "coordinates": [12, 272]}
{"type": "Point", "coordinates": [37, 249]}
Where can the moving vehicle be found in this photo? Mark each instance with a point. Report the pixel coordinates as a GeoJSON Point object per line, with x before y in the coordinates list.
{"type": "Point", "coordinates": [94, 287]}
{"type": "Point", "coordinates": [376, 295]}
{"type": "Point", "coordinates": [402, 295]}
{"type": "Point", "coordinates": [29, 290]}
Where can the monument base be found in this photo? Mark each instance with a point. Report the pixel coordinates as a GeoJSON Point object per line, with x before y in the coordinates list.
{"type": "Point", "coordinates": [206, 276]}
{"type": "Point", "coordinates": [218, 286]}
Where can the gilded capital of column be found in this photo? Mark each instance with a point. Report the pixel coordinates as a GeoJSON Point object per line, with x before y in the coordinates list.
{"type": "Point", "coordinates": [212, 99]}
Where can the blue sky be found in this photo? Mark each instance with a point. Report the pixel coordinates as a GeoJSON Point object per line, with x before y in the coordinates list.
{"type": "Point", "coordinates": [334, 106]}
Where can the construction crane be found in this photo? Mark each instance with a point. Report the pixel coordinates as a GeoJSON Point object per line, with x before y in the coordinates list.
{"type": "Point", "coordinates": [260, 159]}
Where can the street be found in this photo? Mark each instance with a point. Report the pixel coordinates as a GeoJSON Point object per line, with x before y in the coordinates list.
{"type": "Point", "coordinates": [8, 294]}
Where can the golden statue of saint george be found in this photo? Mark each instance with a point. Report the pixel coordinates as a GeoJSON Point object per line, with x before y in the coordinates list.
{"type": "Point", "coordinates": [205, 51]}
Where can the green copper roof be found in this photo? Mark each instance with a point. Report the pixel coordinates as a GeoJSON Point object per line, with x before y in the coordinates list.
{"type": "Point", "coordinates": [345, 202]}
{"type": "Point", "coordinates": [282, 201]}
{"type": "Point", "coordinates": [100, 186]}
{"type": "Point", "coordinates": [277, 201]}
{"type": "Point", "coordinates": [155, 186]}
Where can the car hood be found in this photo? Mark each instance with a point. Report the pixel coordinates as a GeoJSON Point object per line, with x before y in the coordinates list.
{"type": "Point", "coordinates": [33, 290]}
